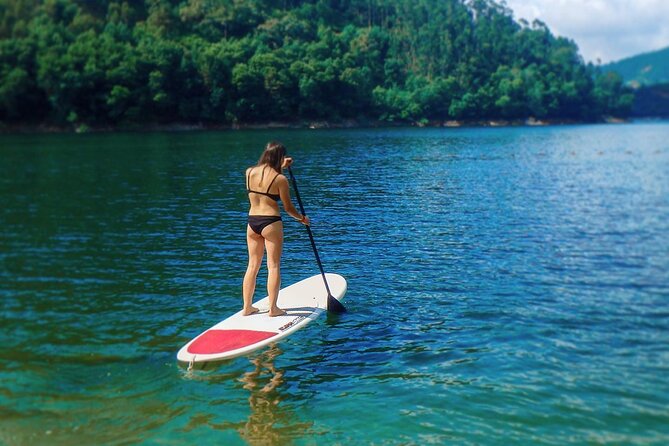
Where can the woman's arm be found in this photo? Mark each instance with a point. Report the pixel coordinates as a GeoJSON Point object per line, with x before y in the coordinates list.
{"type": "Point", "coordinates": [284, 193]}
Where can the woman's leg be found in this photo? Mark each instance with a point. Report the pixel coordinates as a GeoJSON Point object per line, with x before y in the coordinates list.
{"type": "Point", "coordinates": [273, 235]}
{"type": "Point", "coordinates": [256, 250]}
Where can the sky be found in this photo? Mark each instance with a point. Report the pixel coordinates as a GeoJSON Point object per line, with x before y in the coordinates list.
{"type": "Point", "coordinates": [608, 30]}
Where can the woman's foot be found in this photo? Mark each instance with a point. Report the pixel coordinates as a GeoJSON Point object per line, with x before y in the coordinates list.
{"type": "Point", "coordinates": [250, 311]}
{"type": "Point", "coordinates": [277, 312]}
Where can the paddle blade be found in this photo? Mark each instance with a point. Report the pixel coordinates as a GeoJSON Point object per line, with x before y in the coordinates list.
{"type": "Point", "coordinates": [334, 306]}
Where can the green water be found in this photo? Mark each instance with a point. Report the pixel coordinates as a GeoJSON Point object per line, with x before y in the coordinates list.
{"type": "Point", "coordinates": [506, 286]}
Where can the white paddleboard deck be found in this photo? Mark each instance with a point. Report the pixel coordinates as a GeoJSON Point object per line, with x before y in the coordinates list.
{"type": "Point", "coordinates": [239, 335]}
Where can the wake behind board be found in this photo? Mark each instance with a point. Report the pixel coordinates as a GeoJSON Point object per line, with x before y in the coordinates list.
{"type": "Point", "coordinates": [239, 335]}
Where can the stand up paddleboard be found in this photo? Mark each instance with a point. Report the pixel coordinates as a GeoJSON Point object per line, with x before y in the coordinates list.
{"type": "Point", "coordinates": [239, 335]}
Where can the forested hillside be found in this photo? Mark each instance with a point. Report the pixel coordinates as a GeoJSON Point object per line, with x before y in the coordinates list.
{"type": "Point", "coordinates": [651, 101]}
{"type": "Point", "coordinates": [644, 69]}
{"type": "Point", "coordinates": [114, 62]}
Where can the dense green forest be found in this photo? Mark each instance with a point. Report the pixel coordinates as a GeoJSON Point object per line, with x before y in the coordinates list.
{"type": "Point", "coordinates": [648, 75]}
{"type": "Point", "coordinates": [120, 62]}
{"type": "Point", "coordinates": [651, 101]}
{"type": "Point", "coordinates": [644, 69]}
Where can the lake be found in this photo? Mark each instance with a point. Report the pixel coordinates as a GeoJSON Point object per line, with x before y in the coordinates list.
{"type": "Point", "coordinates": [506, 286]}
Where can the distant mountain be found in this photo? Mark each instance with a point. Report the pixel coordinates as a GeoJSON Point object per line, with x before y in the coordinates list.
{"type": "Point", "coordinates": [644, 69]}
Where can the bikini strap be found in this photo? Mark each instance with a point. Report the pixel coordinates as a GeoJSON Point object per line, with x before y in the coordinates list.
{"type": "Point", "coordinates": [272, 182]}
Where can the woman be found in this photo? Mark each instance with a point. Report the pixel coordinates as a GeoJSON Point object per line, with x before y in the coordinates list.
{"type": "Point", "coordinates": [266, 186]}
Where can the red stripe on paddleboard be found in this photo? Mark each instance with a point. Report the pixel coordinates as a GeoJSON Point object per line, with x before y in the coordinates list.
{"type": "Point", "coordinates": [221, 341]}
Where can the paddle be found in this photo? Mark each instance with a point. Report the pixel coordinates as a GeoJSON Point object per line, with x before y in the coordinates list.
{"type": "Point", "coordinates": [333, 304]}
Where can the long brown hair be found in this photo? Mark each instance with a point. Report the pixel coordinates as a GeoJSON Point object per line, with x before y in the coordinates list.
{"type": "Point", "coordinates": [273, 155]}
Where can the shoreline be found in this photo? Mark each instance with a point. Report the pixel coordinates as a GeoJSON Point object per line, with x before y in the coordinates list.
{"type": "Point", "coordinates": [314, 125]}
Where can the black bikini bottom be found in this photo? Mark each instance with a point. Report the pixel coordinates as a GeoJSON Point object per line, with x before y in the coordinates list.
{"type": "Point", "coordinates": [260, 222]}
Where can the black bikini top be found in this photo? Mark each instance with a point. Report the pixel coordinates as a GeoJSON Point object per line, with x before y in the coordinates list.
{"type": "Point", "coordinates": [274, 197]}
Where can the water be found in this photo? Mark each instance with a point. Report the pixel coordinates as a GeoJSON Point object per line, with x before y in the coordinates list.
{"type": "Point", "coordinates": [506, 286]}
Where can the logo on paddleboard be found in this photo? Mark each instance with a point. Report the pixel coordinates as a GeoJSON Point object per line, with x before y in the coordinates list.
{"type": "Point", "coordinates": [291, 323]}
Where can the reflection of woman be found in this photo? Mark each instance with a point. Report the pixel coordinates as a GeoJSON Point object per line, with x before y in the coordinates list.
{"type": "Point", "coordinates": [260, 428]}
{"type": "Point", "coordinates": [266, 186]}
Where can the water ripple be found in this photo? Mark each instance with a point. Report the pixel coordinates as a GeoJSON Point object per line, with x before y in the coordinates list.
{"type": "Point", "coordinates": [505, 286]}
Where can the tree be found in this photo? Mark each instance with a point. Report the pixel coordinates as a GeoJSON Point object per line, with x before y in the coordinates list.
{"type": "Point", "coordinates": [126, 61]}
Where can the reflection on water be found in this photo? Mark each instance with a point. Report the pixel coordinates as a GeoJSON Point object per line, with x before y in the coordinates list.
{"type": "Point", "coordinates": [269, 422]}
{"type": "Point", "coordinates": [271, 419]}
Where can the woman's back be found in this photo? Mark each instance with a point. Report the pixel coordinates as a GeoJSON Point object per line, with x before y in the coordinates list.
{"type": "Point", "coordinates": [263, 190]}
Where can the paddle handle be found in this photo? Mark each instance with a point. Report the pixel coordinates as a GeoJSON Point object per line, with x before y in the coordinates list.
{"type": "Point", "coordinates": [311, 235]}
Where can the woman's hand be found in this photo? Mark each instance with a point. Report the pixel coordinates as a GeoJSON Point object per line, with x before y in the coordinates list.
{"type": "Point", "coordinates": [287, 162]}
{"type": "Point", "coordinates": [305, 220]}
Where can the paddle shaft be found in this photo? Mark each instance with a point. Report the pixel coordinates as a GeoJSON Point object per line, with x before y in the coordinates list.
{"type": "Point", "coordinates": [311, 236]}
